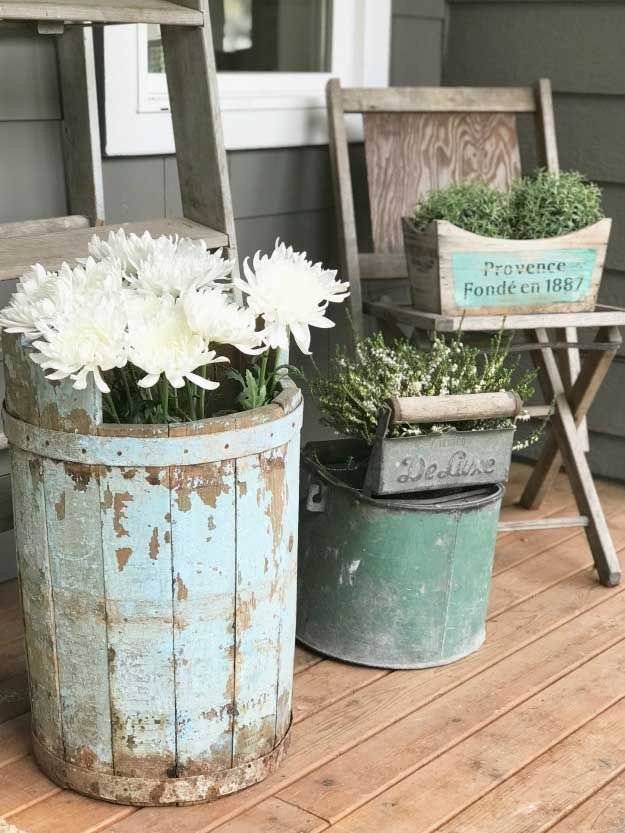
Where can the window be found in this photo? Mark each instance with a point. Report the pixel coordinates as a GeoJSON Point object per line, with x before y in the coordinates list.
{"type": "Point", "coordinates": [273, 58]}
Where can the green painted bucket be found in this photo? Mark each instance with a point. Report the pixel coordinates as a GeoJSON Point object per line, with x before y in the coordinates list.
{"type": "Point", "coordinates": [392, 583]}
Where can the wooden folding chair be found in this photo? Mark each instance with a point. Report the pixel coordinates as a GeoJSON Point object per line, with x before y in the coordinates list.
{"type": "Point", "coordinates": [424, 138]}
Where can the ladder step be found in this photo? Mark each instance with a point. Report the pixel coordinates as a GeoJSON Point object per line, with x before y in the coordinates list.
{"type": "Point", "coordinates": [17, 254]}
{"type": "Point", "coordinates": [53, 224]}
{"type": "Point", "coordinates": [113, 11]}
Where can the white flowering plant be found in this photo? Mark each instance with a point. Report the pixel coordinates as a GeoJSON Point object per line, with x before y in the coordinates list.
{"type": "Point", "coordinates": [152, 319]}
{"type": "Point", "coordinates": [357, 384]}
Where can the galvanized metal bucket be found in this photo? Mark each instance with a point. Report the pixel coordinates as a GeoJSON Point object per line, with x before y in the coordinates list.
{"type": "Point", "coordinates": [158, 576]}
{"type": "Point", "coordinates": [392, 582]}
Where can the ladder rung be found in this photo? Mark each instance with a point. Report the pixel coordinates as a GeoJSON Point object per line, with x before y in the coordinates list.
{"type": "Point", "coordinates": [542, 523]}
{"type": "Point", "coordinates": [113, 11]}
{"type": "Point", "coordinates": [53, 224]}
{"type": "Point", "coordinates": [17, 254]}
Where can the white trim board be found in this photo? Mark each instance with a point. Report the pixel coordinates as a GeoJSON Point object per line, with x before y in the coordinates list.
{"type": "Point", "coordinates": [259, 109]}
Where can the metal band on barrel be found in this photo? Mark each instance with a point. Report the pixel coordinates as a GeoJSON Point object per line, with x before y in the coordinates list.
{"type": "Point", "coordinates": [93, 449]}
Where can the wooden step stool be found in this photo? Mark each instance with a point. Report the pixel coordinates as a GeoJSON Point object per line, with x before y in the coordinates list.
{"type": "Point", "coordinates": [192, 82]}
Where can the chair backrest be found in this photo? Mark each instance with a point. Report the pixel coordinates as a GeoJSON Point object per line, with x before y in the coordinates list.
{"type": "Point", "coordinates": [418, 139]}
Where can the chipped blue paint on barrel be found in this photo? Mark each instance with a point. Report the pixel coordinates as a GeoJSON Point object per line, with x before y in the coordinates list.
{"type": "Point", "coordinates": [159, 600]}
{"type": "Point", "coordinates": [393, 583]}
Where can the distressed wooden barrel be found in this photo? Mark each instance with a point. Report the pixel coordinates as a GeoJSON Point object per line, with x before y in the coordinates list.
{"type": "Point", "coordinates": [158, 576]}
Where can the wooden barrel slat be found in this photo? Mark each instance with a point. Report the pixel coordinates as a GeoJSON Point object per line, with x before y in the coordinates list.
{"type": "Point", "coordinates": [37, 602]}
{"type": "Point", "coordinates": [288, 590]}
{"type": "Point", "coordinates": [203, 523]}
{"type": "Point", "coordinates": [257, 622]}
{"type": "Point", "coordinates": [77, 582]}
{"type": "Point", "coordinates": [159, 601]}
{"type": "Point", "coordinates": [138, 580]}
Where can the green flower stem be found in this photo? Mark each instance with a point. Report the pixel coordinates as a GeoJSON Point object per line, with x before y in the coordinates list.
{"type": "Point", "coordinates": [108, 398]}
{"type": "Point", "coordinates": [262, 375]}
{"type": "Point", "coordinates": [190, 390]}
{"type": "Point", "coordinates": [202, 392]}
{"type": "Point", "coordinates": [165, 397]}
{"type": "Point", "coordinates": [129, 395]}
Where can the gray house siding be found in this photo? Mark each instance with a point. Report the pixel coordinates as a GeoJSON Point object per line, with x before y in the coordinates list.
{"type": "Point", "coordinates": [283, 191]}
{"type": "Point", "coordinates": [579, 45]}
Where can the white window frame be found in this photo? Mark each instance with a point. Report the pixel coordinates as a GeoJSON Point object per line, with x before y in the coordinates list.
{"type": "Point", "coordinates": [259, 109]}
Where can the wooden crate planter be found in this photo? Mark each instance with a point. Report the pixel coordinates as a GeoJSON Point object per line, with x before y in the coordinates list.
{"type": "Point", "coordinates": [452, 271]}
{"type": "Point", "coordinates": [157, 567]}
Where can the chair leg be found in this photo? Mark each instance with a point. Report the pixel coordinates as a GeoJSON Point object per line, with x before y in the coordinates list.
{"type": "Point", "coordinates": [581, 395]}
{"type": "Point", "coordinates": [579, 474]}
{"type": "Point", "coordinates": [565, 443]}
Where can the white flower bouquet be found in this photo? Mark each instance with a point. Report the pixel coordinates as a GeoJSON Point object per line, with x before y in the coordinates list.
{"type": "Point", "coordinates": [140, 312]}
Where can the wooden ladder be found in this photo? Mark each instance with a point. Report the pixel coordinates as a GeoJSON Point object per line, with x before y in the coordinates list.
{"type": "Point", "coordinates": [202, 169]}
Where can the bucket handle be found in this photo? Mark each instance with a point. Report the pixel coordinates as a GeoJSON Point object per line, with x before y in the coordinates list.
{"type": "Point", "coordinates": [455, 408]}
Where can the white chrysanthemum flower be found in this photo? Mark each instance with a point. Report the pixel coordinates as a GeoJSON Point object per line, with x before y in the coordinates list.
{"type": "Point", "coordinates": [161, 341]}
{"type": "Point", "coordinates": [219, 320]}
{"type": "Point", "coordinates": [33, 301]}
{"type": "Point", "coordinates": [130, 250]}
{"type": "Point", "coordinates": [291, 294]}
{"type": "Point", "coordinates": [87, 331]}
{"type": "Point", "coordinates": [189, 266]}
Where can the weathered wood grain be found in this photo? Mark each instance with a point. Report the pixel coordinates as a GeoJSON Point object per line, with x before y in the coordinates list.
{"type": "Point", "coordinates": [260, 485]}
{"type": "Point", "coordinates": [456, 272]}
{"type": "Point", "coordinates": [439, 100]}
{"type": "Point", "coordinates": [80, 128]}
{"type": "Point", "coordinates": [138, 578]}
{"type": "Point", "coordinates": [113, 11]}
{"type": "Point", "coordinates": [410, 154]}
{"type": "Point", "coordinates": [72, 503]}
{"type": "Point", "coordinates": [27, 227]}
{"type": "Point", "coordinates": [601, 316]}
{"type": "Point", "coordinates": [287, 555]}
{"type": "Point", "coordinates": [455, 408]}
{"type": "Point", "coordinates": [37, 600]}
{"type": "Point", "coordinates": [202, 164]}
{"type": "Point", "coordinates": [344, 199]}
{"type": "Point", "coordinates": [499, 745]}
{"type": "Point", "coordinates": [203, 542]}
{"type": "Point", "coordinates": [53, 248]}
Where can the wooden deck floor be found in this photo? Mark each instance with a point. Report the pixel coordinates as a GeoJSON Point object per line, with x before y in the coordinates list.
{"type": "Point", "coordinates": [525, 736]}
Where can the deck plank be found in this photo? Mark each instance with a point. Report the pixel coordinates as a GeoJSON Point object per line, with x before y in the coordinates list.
{"type": "Point", "coordinates": [22, 784]}
{"type": "Point", "coordinates": [537, 680]}
{"type": "Point", "coordinates": [68, 812]}
{"type": "Point", "coordinates": [557, 782]}
{"type": "Point", "coordinates": [14, 739]}
{"type": "Point", "coordinates": [603, 813]}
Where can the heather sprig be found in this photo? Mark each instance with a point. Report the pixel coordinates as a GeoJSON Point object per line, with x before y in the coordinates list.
{"type": "Point", "coordinates": [352, 392]}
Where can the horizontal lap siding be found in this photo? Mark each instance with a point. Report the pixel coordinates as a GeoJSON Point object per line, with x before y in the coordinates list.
{"type": "Point", "coordinates": [579, 46]}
